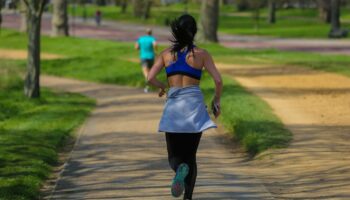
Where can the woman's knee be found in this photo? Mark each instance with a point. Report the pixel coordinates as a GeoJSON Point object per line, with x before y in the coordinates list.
{"type": "Point", "coordinates": [174, 162]}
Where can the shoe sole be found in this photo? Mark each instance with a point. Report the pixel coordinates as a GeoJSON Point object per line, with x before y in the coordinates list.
{"type": "Point", "coordinates": [178, 184]}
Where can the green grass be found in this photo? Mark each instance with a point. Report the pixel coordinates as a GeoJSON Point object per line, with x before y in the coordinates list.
{"type": "Point", "coordinates": [104, 61]}
{"type": "Point", "coordinates": [250, 119]}
{"type": "Point", "coordinates": [256, 132]}
{"type": "Point", "coordinates": [291, 23]}
{"type": "Point", "coordinates": [32, 132]}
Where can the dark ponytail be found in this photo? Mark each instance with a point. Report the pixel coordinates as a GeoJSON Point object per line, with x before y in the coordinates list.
{"type": "Point", "coordinates": [183, 30]}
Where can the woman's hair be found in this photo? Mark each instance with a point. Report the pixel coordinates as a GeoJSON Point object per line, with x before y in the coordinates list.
{"type": "Point", "coordinates": [184, 30]}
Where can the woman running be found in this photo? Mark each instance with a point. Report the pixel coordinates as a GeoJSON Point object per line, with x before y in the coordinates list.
{"type": "Point", "coordinates": [185, 116]}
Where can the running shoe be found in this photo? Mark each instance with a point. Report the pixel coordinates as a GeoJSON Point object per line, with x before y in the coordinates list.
{"type": "Point", "coordinates": [178, 184]}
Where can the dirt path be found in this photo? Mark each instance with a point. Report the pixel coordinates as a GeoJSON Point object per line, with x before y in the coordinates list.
{"type": "Point", "coordinates": [315, 106]}
{"type": "Point", "coordinates": [119, 155]}
{"type": "Point", "coordinates": [12, 54]}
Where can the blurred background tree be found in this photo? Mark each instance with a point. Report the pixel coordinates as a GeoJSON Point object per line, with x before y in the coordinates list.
{"type": "Point", "coordinates": [1, 5]}
{"type": "Point", "coordinates": [324, 8]}
{"type": "Point", "coordinates": [142, 8]}
{"type": "Point", "coordinates": [209, 21]}
{"type": "Point", "coordinates": [60, 25]}
{"type": "Point", "coordinates": [24, 16]}
{"type": "Point", "coordinates": [336, 30]}
{"type": "Point", "coordinates": [272, 11]}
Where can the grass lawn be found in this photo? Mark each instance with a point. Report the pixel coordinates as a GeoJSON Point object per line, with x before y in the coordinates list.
{"type": "Point", "coordinates": [256, 132]}
{"type": "Point", "coordinates": [32, 132]}
{"type": "Point", "coordinates": [291, 23]}
{"type": "Point", "coordinates": [87, 60]}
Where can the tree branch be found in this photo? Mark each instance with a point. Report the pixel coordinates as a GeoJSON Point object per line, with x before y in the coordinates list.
{"type": "Point", "coordinates": [29, 6]}
{"type": "Point", "coordinates": [42, 6]}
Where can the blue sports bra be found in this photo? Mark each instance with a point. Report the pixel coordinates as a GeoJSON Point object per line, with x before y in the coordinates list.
{"type": "Point", "coordinates": [180, 66]}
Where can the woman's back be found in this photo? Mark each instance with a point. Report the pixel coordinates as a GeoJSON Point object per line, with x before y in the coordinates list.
{"type": "Point", "coordinates": [195, 59]}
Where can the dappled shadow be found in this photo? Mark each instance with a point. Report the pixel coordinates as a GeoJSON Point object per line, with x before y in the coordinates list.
{"type": "Point", "coordinates": [315, 166]}
{"type": "Point", "coordinates": [119, 155]}
{"type": "Point", "coordinates": [123, 165]}
{"type": "Point", "coordinates": [267, 71]}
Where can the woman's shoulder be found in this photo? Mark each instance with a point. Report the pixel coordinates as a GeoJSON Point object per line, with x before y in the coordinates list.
{"type": "Point", "coordinates": [166, 51]}
{"type": "Point", "coordinates": [200, 51]}
{"type": "Point", "coordinates": [197, 50]}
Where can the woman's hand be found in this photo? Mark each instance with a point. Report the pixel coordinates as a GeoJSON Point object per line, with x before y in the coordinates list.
{"type": "Point", "coordinates": [161, 92]}
{"type": "Point", "coordinates": [218, 111]}
{"type": "Point", "coordinates": [216, 107]}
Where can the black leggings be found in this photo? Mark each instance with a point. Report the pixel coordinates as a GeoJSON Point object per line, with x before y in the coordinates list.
{"type": "Point", "coordinates": [182, 148]}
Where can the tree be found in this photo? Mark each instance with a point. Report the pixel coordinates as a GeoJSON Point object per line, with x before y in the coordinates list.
{"type": "Point", "coordinates": [256, 4]}
{"type": "Point", "coordinates": [242, 5]}
{"type": "Point", "coordinates": [24, 16]}
{"type": "Point", "coordinates": [101, 2]}
{"type": "Point", "coordinates": [0, 15]}
{"type": "Point", "coordinates": [60, 18]}
{"type": "Point", "coordinates": [124, 6]}
{"type": "Point", "coordinates": [35, 10]}
{"type": "Point", "coordinates": [272, 12]}
{"type": "Point", "coordinates": [209, 20]}
{"type": "Point", "coordinates": [324, 10]}
{"type": "Point", "coordinates": [335, 14]}
{"type": "Point", "coordinates": [142, 8]}
{"type": "Point", "coordinates": [336, 31]}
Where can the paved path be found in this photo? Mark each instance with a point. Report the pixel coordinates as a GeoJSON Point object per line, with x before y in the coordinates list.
{"type": "Point", "coordinates": [119, 155]}
{"type": "Point", "coordinates": [119, 31]}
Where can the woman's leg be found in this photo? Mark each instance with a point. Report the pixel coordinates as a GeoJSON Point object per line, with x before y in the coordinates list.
{"type": "Point", "coordinates": [175, 155]}
{"type": "Point", "coordinates": [190, 159]}
{"type": "Point", "coordinates": [182, 148]}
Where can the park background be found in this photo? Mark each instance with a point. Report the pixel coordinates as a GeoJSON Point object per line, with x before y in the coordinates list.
{"type": "Point", "coordinates": [295, 50]}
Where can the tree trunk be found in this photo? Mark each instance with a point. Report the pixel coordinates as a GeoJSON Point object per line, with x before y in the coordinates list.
{"type": "Point", "coordinates": [32, 85]}
{"type": "Point", "coordinates": [242, 5]}
{"type": "Point", "coordinates": [138, 8]}
{"type": "Point", "coordinates": [324, 10]}
{"type": "Point", "coordinates": [0, 15]}
{"type": "Point", "coordinates": [124, 6]}
{"type": "Point", "coordinates": [24, 16]}
{"type": "Point", "coordinates": [147, 9]}
{"type": "Point", "coordinates": [209, 21]}
{"type": "Point", "coordinates": [142, 8]}
{"type": "Point", "coordinates": [335, 14]}
{"type": "Point", "coordinates": [336, 31]}
{"type": "Point", "coordinates": [60, 18]}
{"type": "Point", "coordinates": [101, 2]}
{"type": "Point", "coordinates": [272, 12]}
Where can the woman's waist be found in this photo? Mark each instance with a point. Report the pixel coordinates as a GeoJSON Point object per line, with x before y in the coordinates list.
{"type": "Point", "coordinates": [191, 90]}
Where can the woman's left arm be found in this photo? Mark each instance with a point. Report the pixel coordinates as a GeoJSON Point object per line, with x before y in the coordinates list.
{"type": "Point", "coordinates": [152, 75]}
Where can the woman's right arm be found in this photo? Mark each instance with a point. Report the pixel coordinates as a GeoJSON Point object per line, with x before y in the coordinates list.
{"type": "Point", "coordinates": [214, 73]}
{"type": "Point", "coordinates": [152, 75]}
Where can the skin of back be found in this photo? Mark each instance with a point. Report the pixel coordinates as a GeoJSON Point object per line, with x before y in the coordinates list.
{"type": "Point", "coordinates": [199, 60]}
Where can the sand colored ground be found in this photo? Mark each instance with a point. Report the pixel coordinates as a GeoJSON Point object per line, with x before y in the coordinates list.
{"type": "Point", "coordinates": [12, 54]}
{"type": "Point", "coordinates": [120, 155]}
{"type": "Point", "coordinates": [315, 106]}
